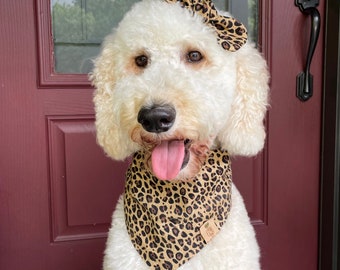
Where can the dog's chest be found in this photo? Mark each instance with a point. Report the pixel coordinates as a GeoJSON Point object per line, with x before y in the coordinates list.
{"type": "Point", "coordinates": [169, 222]}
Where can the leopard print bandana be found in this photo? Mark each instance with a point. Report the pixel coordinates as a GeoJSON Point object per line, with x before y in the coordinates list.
{"type": "Point", "coordinates": [171, 221]}
{"type": "Point", "coordinates": [231, 34]}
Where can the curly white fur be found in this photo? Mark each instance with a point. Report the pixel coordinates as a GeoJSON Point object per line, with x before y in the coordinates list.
{"type": "Point", "coordinates": [220, 102]}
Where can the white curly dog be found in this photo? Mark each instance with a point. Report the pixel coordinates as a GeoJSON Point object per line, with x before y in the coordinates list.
{"type": "Point", "coordinates": [163, 82]}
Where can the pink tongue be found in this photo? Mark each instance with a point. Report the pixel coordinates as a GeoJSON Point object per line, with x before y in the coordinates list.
{"type": "Point", "coordinates": [167, 159]}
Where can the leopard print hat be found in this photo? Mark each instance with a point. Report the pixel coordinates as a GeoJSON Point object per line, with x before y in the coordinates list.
{"type": "Point", "coordinates": [231, 34]}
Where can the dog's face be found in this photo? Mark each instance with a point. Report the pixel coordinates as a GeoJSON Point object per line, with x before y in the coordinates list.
{"type": "Point", "coordinates": [164, 85]}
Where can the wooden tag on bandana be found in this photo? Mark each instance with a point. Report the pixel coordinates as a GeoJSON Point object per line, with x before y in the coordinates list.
{"type": "Point", "coordinates": [209, 230]}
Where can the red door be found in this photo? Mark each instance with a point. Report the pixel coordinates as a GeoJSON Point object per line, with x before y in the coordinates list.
{"type": "Point", "coordinates": [290, 238]}
{"type": "Point", "coordinates": [57, 190]}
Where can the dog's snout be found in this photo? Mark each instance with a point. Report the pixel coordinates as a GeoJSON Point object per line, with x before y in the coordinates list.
{"type": "Point", "coordinates": [157, 119]}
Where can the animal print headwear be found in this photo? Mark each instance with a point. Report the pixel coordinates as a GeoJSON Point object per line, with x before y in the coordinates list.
{"type": "Point", "coordinates": [231, 34]}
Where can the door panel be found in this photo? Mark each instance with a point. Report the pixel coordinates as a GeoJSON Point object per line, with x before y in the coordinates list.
{"type": "Point", "coordinates": [250, 178]}
{"type": "Point", "coordinates": [83, 181]}
{"type": "Point", "coordinates": [57, 188]}
{"type": "Point", "coordinates": [293, 144]}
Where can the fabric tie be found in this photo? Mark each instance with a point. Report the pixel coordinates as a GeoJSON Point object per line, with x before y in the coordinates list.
{"type": "Point", "coordinates": [231, 34]}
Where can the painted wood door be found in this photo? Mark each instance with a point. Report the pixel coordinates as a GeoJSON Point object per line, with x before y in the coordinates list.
{"type": "Point", "coordinates": [57, 189]}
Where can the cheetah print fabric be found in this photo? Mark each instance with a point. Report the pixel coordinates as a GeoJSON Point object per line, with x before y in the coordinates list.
{"type": "Point", "coordinates": [231, 34]}
{"type": "Point", "coordinates": [168, 221]}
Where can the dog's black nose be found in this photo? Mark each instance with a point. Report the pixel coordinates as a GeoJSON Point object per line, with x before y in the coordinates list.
{"type": "Point", "coordinates": [157, 119]}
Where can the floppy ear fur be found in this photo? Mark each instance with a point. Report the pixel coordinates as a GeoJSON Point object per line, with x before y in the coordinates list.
{"type": "Point", "coordinates": [108, 68]}
{"type": "Point", "coordinates": [244, 132]}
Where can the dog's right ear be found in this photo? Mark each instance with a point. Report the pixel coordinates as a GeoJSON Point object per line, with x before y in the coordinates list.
{"type": "Point", "coordinates": [106, 72]}
{"type": "Point", "coordinates": [244, 133]}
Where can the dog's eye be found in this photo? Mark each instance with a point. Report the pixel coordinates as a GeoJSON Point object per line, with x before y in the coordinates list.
{"type": "Point", "coordinates": [194, 56]}
{"type": "Point", "coordinates": [142, 61]}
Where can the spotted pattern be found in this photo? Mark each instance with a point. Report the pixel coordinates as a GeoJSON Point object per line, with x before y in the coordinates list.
{"type": "Point", "coordinates": [164, 218]}
{"type": "Point", "coordinates": [231, 34]}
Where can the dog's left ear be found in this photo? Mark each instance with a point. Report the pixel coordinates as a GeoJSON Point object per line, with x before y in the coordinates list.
{"type": "Point", "coordinates": [244, 132]}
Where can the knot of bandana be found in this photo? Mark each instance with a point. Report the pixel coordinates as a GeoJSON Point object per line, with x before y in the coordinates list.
{"type": "Point", "coordinates": [168, 221]}
{"type": "Point", "coordinates": [231, 34]}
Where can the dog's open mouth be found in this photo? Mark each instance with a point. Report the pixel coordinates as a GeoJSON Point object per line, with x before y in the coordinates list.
{"type": "Point", "coordinates": [169, 157]}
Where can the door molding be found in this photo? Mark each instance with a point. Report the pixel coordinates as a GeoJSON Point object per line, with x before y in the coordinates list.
{"type": "Point", "coordinates": [330, 155]}
{"type": "Point", "coordinates": [47, 77]}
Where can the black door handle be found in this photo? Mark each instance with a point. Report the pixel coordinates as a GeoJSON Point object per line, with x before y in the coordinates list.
{"type": "Point", "coordinates": [304, 81]}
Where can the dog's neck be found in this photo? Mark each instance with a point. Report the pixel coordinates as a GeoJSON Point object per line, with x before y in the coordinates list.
{"type": "Point", "coordinates": [169, 222]}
